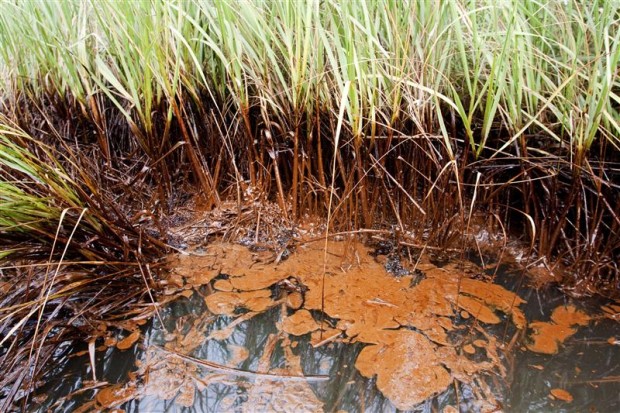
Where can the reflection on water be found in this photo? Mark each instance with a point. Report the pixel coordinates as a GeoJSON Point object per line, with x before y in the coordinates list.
{"type": "Point", "coordinates": [196, 362]}
{"type": "Point", "coordinates": [587, 365]}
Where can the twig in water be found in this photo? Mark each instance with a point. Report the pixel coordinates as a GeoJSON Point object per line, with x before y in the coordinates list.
{"type": "Point", "coordinates": [237, 372]}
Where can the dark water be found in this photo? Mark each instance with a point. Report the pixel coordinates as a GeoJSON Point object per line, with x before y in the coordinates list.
{"type": "Point", "coordinates": [585, 366]}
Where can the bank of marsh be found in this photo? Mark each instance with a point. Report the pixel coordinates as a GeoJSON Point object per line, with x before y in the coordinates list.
{"type": "Point", "coordinates": [426, 117]}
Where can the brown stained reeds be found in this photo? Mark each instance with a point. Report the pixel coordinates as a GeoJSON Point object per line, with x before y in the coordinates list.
{"type": "Point", "coordinates": [71, 250]}
{"type": "Point", "coordinates": [138, 107]}
{"type": "Point", "coordinates": [402, 179]}
{"type": "Point", "coordinates": [413, 114]}
{"type": "Point", "coordinates": [78, 300]}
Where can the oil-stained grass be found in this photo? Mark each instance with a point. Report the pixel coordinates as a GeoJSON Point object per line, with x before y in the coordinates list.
{"type": "Point", "coordinates": [532, 81]}
{"type": "Point", "coordinates": [384, 108]}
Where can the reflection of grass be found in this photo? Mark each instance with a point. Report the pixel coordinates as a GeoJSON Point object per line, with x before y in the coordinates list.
{"type": "Point", "coordinates": [409, 113]}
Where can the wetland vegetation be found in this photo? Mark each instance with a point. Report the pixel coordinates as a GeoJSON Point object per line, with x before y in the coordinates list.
{"type": "Point", "coordinates": [131, 130]}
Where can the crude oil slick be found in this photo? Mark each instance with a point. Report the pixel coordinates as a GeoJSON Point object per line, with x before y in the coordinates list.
{"type": "Point", "coordinates": [329, 329]}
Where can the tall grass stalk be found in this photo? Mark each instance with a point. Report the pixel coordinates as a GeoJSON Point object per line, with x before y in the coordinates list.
{"type": "Point", "coordinates": [496, 61]}
{"type": "Point", "coordinates": [493, 73]}
{"type": "Point", "coordinates": [527, 80]}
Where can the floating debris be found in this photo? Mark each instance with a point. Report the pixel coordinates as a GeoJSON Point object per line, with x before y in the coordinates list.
{"type": "Point", "coordinates": [392, 315]}
{"type": "Point", "coordinates": [611, 311]}
{"type": "Point", "coordinates": [300, 323]}
{"type": "Point", "coordinates": [265, 395]}
{"type": "Point", "coordinates": [561, 394]}
{"type": "Point", "coordinates": [227, 302]}
{"type": "Point", "coordinates": [128, 341]}
{"type": "Point", "coordinates": [416, 336]}
{"type": "Point", "coordinates": [547, 337]}
{"type": "Point", "coordinates": [408, 367]}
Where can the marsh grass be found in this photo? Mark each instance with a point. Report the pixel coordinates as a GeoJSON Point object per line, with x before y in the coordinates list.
{"type": "Point", "coordinates": [66, 253]}
{"type": "Point", "coordinates": [411, 114]}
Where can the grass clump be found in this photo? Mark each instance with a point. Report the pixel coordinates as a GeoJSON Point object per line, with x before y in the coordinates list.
{"type": "Point", "coordinates": [65, 255]}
